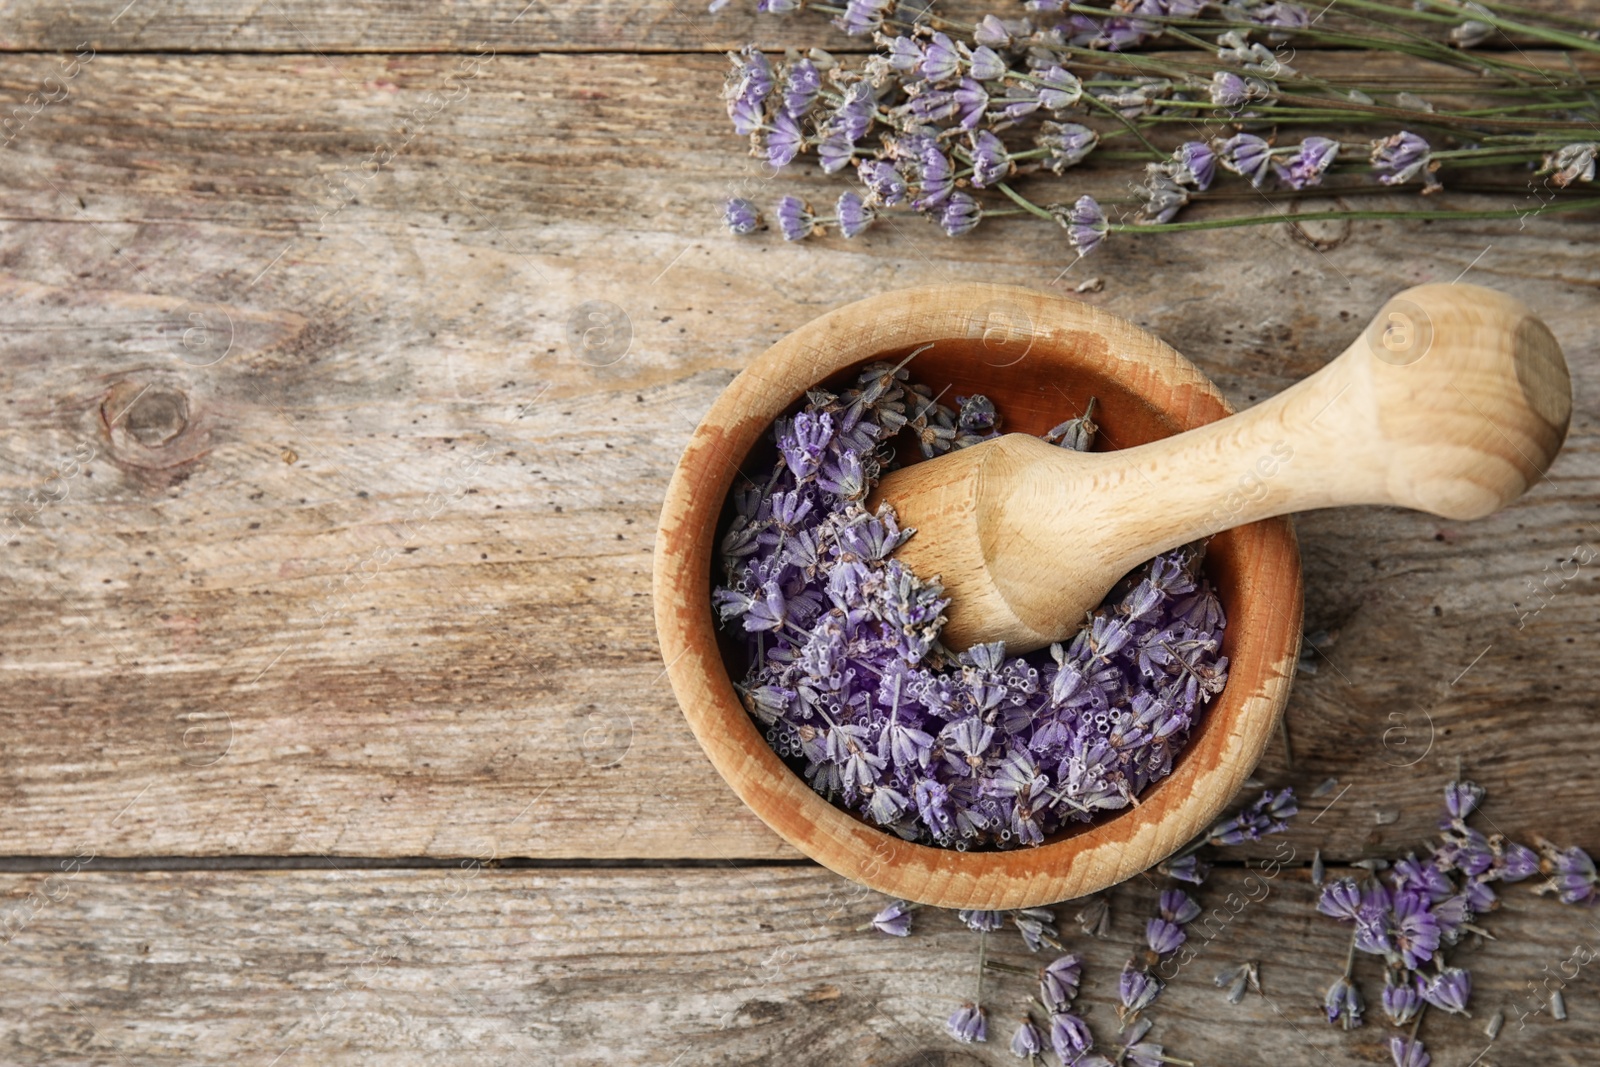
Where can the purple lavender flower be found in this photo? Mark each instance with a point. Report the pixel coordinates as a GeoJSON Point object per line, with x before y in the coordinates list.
{"type": "Point", "coordinates": [1573, 878]}
{"type": "Point", "coordinates": [1516, 862]}
{"type": "Point", "coordinates": [1058, 90]}
{"type": "Point", "coordinates": [1194, 164]}
{"type": "Point", "coordinates": [1407, 1053]}
{"type": "Point", "coordinates": [936, 177]}
{"type": "Point", "coordinates": [1136, 990]}
{"type": "Point", "coordinates": [1036, 925]}
{"type": "Point", "coordinates": [1086, 225]}
{"type": "Point", "coordinates": [990, 160]}
{"type": "Point", "coordinates": [985, 64]}
{"type": "Point", "coordinates": [1228, 90]}
{"type": "Point", "coordinates": [861, 17]}
{"type": "Point", "coordinates": [969, 1023]}
{"type": "Point", "coordinates": [1188, 869]}
{"type": "Point", "coordinates": [1067, 143]}
{"type": "Point", "coordinates": [993, 33]}
{"type": "Point", "coordinates": [971, 100]}
{"type": "Point", "coordinates": [1027, 1042]}
{"type": "Point", "coordinates": [854, 216]}
{"type": "Point", "coordinates": [795, 219]}
{"type": "Point", "coordinates": [883, 182]}
{"type": "Point", "coordinates": [940, 59]}
{"type": "Point", "coordinates": [904, 55]}
{"type": "Point", "coordinates": [801, 84]}
{"type": "Point", "coordinates": [1058, 983]}
{"type": "Point", "coordinates": [980, 920]}
{"type": "Point", "coordinates": [1304, 169]}
{"type": "Point", "coordinates": [1246, 155]}
{"type": "Point", "coordinates": [1401, 1000]}
{"type": "Point", "coordinates": [853, 117]}
{"type": "Point", "coordinates": [1461, 799]}
{"type": "Point", "coordinates": [1448, 990]}
{"type": "Point", "coordinates": [959, 215]}
{"type": "Point", "coordinates": [1343, 1004]}
{"type": "Point", "coordinates": [1069, 1036]}
{"type": "Point", "coordinates": [1280, 16]}
{"type": "Point", "coordinates": [1178, 907]}
{"type": "Point", "coordinates": [1416, 931]}
{"type": "Point", "coordinates": [894, 920]}
{"type": "Point", "coordinates": [741, 216]}
{"type": "Point", "coordinates": [1163, 936]}
{"type": "Point", "coordinates": [1400, 158]}
{"type": "Point", "coordinates": [784, 140]}
{"type": "Point", "coordinates": [1341, 900]}
{"type": "Point", "coordinates": [1164, 197]}
{"type": "Point", "coordinates": [1268, 814]}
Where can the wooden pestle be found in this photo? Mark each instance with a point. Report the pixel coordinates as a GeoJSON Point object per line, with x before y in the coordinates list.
{"type": "Point", "coordinates": [1453, 401]}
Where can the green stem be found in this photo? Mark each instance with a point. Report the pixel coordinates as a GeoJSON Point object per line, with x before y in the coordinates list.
{"type": "Point", "coordinates": [1333, 216]}
{"type": "Point", "coordinates": [1024, 203]}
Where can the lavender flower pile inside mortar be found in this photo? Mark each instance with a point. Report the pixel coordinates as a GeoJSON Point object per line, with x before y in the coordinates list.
{"type": "Point", "coordinates": [848, 676]}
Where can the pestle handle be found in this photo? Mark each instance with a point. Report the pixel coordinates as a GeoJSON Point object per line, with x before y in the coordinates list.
{"type": "Point", "coordinates": [1454, 400]}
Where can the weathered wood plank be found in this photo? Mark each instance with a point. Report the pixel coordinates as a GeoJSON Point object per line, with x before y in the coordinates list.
{"type": "Point", "coordinates": [375, 582]}
{"type": "Point", "coordinates": [657, 967]}
{"type": "Point", "coordinates": [472, 25]}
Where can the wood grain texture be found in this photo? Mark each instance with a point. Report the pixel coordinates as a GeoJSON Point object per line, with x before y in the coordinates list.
{"type": "Point", "coordinates": [377, 581]}
{"type": "Point", "coordinates": [717, 968]}
{"type": "Point", "coordinates": [399, 26]}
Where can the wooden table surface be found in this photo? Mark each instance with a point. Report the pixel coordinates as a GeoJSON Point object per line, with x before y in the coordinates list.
{"type": "Point", "coordinates": [334, 726]}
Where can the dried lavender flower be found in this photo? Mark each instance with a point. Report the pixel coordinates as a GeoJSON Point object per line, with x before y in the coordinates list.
{"type": "Point", "coordinates": [1188, 868]}
{"type": "Point", "coordinates": [1408, 1053]}
{"type": "Point", "coordinates": [1069, 1036]}
{"type": "Point", "coordinates": [1246, 155]}
{"type": "Point", "coordinates": [1027, 1042]}
{"type": "Point", "coordinates": [1572, 163]}
{"type": "Point", "coordinates": [1401, 1000]}
{"type": "Point", "coordinates": [1268, 814]}
{"type": "Point", "coordinates": [1194, 163]}
{"type": "Point", "coordinates": [981, 921]}
{"type": "Point", "coordinates": [1037, 927]}
{"type": "Point", "coordinates": [1400, 158]}
{"type": "Point", "coordinates": [1067, 143]}
{"type": "Point", "coordinates": [853, 215]}
{"type": "Point", "coordinates": [1163, 937]}
{"type": "Point", "coordinates": [1460, 800]}
{"type": "Point", "coordinates": [883, 182]}
{"type": "Point", "coordinates": [1163, 196]}
{"type": "Point", "coordinates": [959, 215]}
{"type": "Point", "coordinates": [741, 216]}
{"type": "Point", "coordinates": [795, 219]}
{"type": "Point", "coordinates": [991, 162]}
{"type": "Point", "coordinates": [1058, 983]}
{"type": "Point", "coordinates": [1136, 989]}
{"type": "Point", "coordinates": [1305, 167]}
{"type": "Point", "coordinates": [894, 920]}
{"type": "Point", "coordinates": [1095, 918]}
{"type": "Point", "coordinates": [1343, 1003]}
{"type": "Point", "coordinates": [1086, 225]}
{"type": "Point", "coordinates": [969, 1023]}
{"type": "Point", "coordinates": [1573, 877]}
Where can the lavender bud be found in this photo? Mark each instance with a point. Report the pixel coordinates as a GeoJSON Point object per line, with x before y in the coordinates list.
{"type": "Point", "coordinates": [985, 64]}
{"type": "Point", "coordinates": [883, 182]}
{"type": "Point", "coordinates": [940, 59]}
{"type": "Point", "coordinates": [1228, 90]}
{"type": "Point", "coordinates": [1194, 163]}
{"type": "Point", "coordinates": [853, 215]}
{"type": "Point", "coordinates": [784, 140]}
{"type": "Point", "coordinates": [990, 161]}
{"type": "Point", "coordinates": [1471, 33]}
{"type": "Point", "coordinates": [834, 154]}
{"type": "Point", "coordinates": [1058, 983]}
{"type": "Point", "coordinates": [1163, 937]}
{"type": "Point", "coordinates": [894, 920]}
{"type": "Point", "coordinates": [1178, 907]}
{"type": "Point", "coordinates": [968, 1024]}
{"type": "Point", "coordinates": [1069, 1036]}
{"type": "Point", "coordinates": [1060, 89]}
{"type": "Point", "coordinates": [801, 83]}
{"type": "Point", "coordinates": [1136, 990]}
{"type": "Point", "coordinates": [1067, 142]}
{"type": "Point", "coordinates": [1400, 1000]}
{"type": "Point", "coordinates": [1187, 869]}
{"type": "Point", "coordinates": [1086, 225]}
{"type": "Point", "coordinates": [1408, 1053]}
{"type": "Point", "coordinates": [1304, 168]}
{"type": "Point", "coordinates": [971, 101]}
{"type": "Point", "coordinates": [992, 33]}
{"type": "Point", "coordinates": [959, 215]}
{"type": "Point", "coordinates": [1246, 155]}
{"type": "Point", "coordinates": [1027, 1042]}
{"type": "Point", "coordinates": [795, 219]}
{"type": "Point", "coordinates": [861, 17]}
{"type": "Point", "coordinates": [1461, 799]}
{"type": "Point", "coordinates": [1163, 196]}
{"type": "Point", "coordinates": [936, 177]}
{"type": "Point", "coordinates": [741, 216]}
{"type": "Point", "coordinates": [1343, 1004]}
{"type": "Point", "coordinates": [1400, 158]}
{"type": "Point", "coordinates": [980, 920]}
{"type": "Point", "coordinates": [1573, 163]}
{"type": "Point", "coordinates": [1448, 990]}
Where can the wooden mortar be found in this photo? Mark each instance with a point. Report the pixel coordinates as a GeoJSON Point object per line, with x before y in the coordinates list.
{"type": "Point", "coordinates": [1040, 357]}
